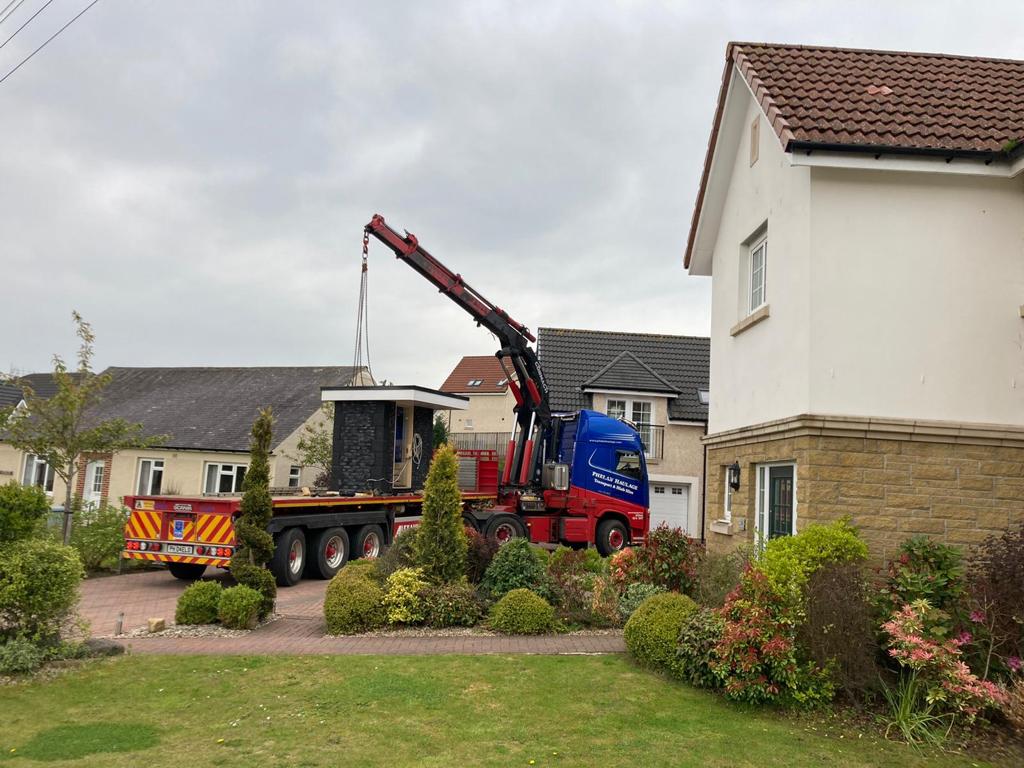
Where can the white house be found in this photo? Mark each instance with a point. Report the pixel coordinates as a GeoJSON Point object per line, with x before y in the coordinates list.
{"type": "Point", "coordinates": [861, 215]}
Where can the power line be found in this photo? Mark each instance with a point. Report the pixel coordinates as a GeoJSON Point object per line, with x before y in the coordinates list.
{"type": "Point", "coordinates": [5, 42]}
{"type": "Point", "coordinates": [48, 40]}
{"type": "Point", "coordinates": [4, 15]}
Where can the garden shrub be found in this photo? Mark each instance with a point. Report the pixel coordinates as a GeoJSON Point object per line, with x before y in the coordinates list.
{"type": "Point", "coordinates": [996, 604]}
{"type": "Point", "coordinates": [22, 510]}
{"type": "Point", "coordinates": [262, 580]}
{"type": "Point", "coordinates": [522, 612]}
{"type": "Point", "coordinates": [936, 689]}
{"type": "Point", "coordinates": [455, 604]}
{"type": "Point", "coordinates": [517, 565]}
{"type": "Point", "coordinates": [604, 602]}
{"type": "Point", "coordinates": [98, 536]}
{"type": "Point", "coordinates": [403, 603]}
{"type": "Point", "coordinates": [401, 554]}
{"type": "Point", "coordinates": [19, 656]}
{"type": "Point", "coordinates": [239, 607]}
{"type": "Point", "coordinates": [838, 632]}
{"type": "Point", "coordinates": [695, 653]}
{"type": "Point", "coordinates": [634, 595]}
{"type": "Point", "coordinates": [668, 559]}
{"type": "Point", "coordinates": [199, 603]}
{"type": "Point", "coordinates": [925, 570]}
{"type": "Point", "coordinates": [569, 560]}
{"type": "Point", "coordinates": [653, 630]}
{"type": "Point", "coordinates": [441, 544]}
{"type": "Point", "coordinates": [794, 558]}
{"type": "Point", "coordinates": [718, 573]}
{"type": "Point", "coordinates": [1013, 708]}
{"type": "Point", "coordinates": [39, 583]}
{"type": "Point", "coordinates": [480, 550]}
{"type": "Point", "coordinates": [758, 657]}
{"type": "Point", "coordinates": [571, 575]}
{"type": "Point", "coordinates": [361, 569]}
{"type": "Point", "coordinates": [353, 605]}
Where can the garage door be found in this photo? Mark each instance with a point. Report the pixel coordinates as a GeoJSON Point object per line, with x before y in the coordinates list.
{"type": "Point", "coordinates": [670, 504]}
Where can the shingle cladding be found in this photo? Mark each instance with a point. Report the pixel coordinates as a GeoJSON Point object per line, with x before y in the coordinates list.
{"type": "Point", "coordinates": [573, 358]}
{"type": "Point", "coordinates": [214, 408]}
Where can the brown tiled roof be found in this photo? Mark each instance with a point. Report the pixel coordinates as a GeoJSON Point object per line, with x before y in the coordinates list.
{"type": "Point", "coordinates": [483, 368]}
{"type": "Point", "coordinates": [877, 101]}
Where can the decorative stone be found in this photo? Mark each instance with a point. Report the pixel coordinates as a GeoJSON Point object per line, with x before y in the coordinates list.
{"type": "Point", "coordinates": [157, 625]}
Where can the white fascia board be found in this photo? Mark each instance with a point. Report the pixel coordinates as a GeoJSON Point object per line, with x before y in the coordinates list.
{"type": "Point", "coordinates": [679, 479]}
{"type": "Point", "coordinates": [404, 395]}
{"type": "Point", "coordinates": [630, 393]}
{"type": "Point", "coordinates": [907, 163]}
{"type": "Point", "coordinates": [684, 423]}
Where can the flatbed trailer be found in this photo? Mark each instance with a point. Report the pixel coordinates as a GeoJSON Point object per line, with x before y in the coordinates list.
{"type": "Point", "coordinates": [314, 535]}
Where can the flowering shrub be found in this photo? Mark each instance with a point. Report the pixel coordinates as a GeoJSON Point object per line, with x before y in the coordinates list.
{"type": "Point", "coordinates": [996, 604]}
{"type": "Point", "coordinates": [757, 655]}
{"type": "Point", "coordinates": [403, 603]}
{"type": "Point", "coordinates": [946, 682]}
{"type": "Point", "coordinates": [668, 560]}
{"type": "Point", "coordinates": [571, 575]}
{"type": "Point", "coordinates": [604, 602]}
{"type": "Point", "coordinates": [925, 570]}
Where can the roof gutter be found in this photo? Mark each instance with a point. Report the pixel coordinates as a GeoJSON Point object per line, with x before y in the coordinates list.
{"type": "Point", "coordinates": [987, 156]}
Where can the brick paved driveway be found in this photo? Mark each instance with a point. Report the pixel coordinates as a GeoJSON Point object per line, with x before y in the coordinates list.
{"type": "Point", "coordinates": [299, 630]}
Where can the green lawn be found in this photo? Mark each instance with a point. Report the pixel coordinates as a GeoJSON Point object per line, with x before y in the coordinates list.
{"type": "Point", "coordinates": [353, 711]}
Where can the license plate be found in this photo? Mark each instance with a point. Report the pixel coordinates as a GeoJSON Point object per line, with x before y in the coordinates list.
{"type": "Point", "coordinates": [178, 549]}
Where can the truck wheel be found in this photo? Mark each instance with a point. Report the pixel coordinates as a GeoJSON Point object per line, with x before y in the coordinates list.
{"type": "Point", "coordinates": [369, 542]}
{"type": "Point", "coordinates": [504, 528]}
{"type": "Point", "coordinates": [186, 571]}
{"type": "Point", "coordinates": [611, 537]}
{"type": "Point", "coordinates": [330, 552]}
{"type": "Point", "coordinates": [289, 557]}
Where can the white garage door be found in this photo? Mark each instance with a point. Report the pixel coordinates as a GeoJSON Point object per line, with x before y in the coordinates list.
{"type": "Point", "coordinates": [670, 504]}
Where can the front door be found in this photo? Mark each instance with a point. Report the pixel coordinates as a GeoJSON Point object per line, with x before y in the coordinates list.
{"type": "Point", "coordinates": [776, 501]}
{"type": "Point", "coordinates": [93, 491]}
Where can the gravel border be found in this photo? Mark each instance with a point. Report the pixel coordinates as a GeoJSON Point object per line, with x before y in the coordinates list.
{"type": "Point", "coordinates": [194, 630]}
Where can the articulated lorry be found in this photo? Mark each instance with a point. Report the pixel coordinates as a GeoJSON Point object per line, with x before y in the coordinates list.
{"type": "Point", "coordinates": [578, 478]}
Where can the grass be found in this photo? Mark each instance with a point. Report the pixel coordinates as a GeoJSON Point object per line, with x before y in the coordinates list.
{"type": "Point", "coordinates": [399, 711]}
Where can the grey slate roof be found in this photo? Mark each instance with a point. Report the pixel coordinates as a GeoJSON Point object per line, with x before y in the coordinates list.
{"type": "Point", "coordinates": [214, 408]}
{"type": "Point", "coordinates": [10, 394]}
{"type": "Point", "coordinates": [573, 359]}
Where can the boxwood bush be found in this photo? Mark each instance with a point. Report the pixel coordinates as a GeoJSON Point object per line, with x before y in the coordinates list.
{"type": "Point", "coordinates": [362, 569]}
{"type": "Point", "coordinates": [451, 605]}
{"type": "Point", "coordinates": [522, 612]}
{"type": "Point", "coordinates": [239, 607]}
{"type": "Point", "coordinates": [653, 630]}
{"type": "Point", "coordinates": [517, 565]}
{"type": "Point", "coordinates": [634, 595]}
{"type": "Point", "coordinates": [39, 583]}
{"type": "Point", "coordinates": [198, 604]}
{"type": "Point", "coordinates": [353, 604]}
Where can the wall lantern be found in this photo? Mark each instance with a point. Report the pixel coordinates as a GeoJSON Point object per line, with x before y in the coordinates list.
{"type": "Point", "coordinates": [734, 475]}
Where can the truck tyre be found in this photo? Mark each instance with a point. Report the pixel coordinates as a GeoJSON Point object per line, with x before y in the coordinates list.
{"type": "Point", "coordinates": [369, 542]}
{"type": "Point", "coordinates": [186, 571]}
{"type": "Point", "coordinates": [289, 557]}
{"type": "Point", "coordinates": [470, 522]}
{"type": "Point", "coordinates": [504, 528]}
{"type": "Point", "coordinates": [611, 537]}
{"type": "Point", "coordinates": [329, 553]}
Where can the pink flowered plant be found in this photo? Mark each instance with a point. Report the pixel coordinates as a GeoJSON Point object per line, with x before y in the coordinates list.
{"type": "Point", "coordinates": [950, 682]}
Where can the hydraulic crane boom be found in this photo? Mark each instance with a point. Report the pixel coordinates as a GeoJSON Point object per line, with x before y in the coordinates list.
{"type": "Point", "coordinates": [529, 387]}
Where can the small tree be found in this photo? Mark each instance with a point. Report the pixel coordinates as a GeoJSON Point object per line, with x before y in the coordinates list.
{"type": "Point", "coordinates": [58, 429]}
{"type": "Point", "coordinates": [254, 546]}
{"type": "Point", "coordinates": [440, 431]}
{"type": "Point", "coordinates": [441, 543]}
{"type": "Point", "coordinates": [21, 511]}
{"type": "Point", "coordinates": [316, 446]}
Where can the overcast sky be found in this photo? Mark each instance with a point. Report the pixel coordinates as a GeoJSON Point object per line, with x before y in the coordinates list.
{"type": "Point", "coordinates": [193, 176]}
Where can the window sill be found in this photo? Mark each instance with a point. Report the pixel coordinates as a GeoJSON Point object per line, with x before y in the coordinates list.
{"type": "Point", "coordinates": [723, 527]}
{"type": "Point", "coordinates": [753, 318]}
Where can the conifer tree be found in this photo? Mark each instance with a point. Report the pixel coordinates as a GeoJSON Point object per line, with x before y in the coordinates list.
{"type": "Point", "coordinates": [254, 546]}
{"type": "Point", "coordinates": [441, 541]}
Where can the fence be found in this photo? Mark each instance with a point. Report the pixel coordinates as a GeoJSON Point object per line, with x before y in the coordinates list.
{"type": "Point", "coordinates": [477, 441]}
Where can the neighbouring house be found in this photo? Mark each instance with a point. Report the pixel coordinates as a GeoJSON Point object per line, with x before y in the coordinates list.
{"type": "Point", "coordinates": [488, 420]}
{"type": "Point", "coordinates": [660, 384]}
{"type": "Point", "coordinates": [206, 415]}
{"type": "Point", "coordinates": [861, 216]}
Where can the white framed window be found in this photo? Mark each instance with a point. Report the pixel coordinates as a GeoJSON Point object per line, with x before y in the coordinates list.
{"type": "Point", "coordinates": [677, 491]}
{"type": "Point", "coordinates": [776, 500]}
{"type": "Point", "coordinates": [467, 424]}
{"type": "Point", "coordinates": [224, 478]}
{"type": "Point", "coordinates": [640, 412]}
{"type": "Point", "coordinates": [37, 472]}
{"type": "Point", "coordinates": [758, 272]}
{"type": "Point", "coordinates": [727, 501]}
{"type": "Point", "coordinates": [294, 476]}
{"type": "Point", "coordinates": [151, 477]}
{"type": "Point", "coordinates": [659, 489]}
{"type": "Point", "coordinates": [97, 479]}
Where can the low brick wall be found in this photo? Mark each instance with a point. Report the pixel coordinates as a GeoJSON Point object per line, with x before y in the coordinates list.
{"type": "Point", "coordinates": [891, 483]}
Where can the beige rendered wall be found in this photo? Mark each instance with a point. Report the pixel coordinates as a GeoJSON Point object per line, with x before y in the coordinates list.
{"type": "Point", "coordinates": [917, 280]}
{"type": "Point", "coordinates": [489, 413]}
{"type": "Point", "coordinates": [761, 373]}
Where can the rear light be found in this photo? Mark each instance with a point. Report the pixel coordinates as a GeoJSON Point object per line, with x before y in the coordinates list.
{"type": "Point", "coordinates": [143, 545]}
{"type": "Point", "coordinates": [155, 547]}
{"type": "Point", "coordinates": [200, 550]}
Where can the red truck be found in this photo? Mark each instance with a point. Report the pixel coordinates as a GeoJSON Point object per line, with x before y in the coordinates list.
{"type": "Point", "coordinates": [568, 478]}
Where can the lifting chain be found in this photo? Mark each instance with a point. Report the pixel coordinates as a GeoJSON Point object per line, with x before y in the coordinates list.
{"type": "Point", "coordinates": [362, 318]}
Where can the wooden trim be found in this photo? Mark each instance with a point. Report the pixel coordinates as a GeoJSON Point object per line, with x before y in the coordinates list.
{"type": "Point", "coordinates": [753, 318]}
